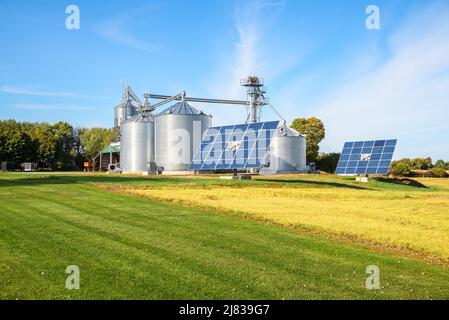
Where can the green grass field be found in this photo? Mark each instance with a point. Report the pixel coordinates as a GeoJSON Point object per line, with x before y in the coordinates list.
{"type": "Point", "coordinates": [413, 219]}
{"type": "Point", "coordinates": [130, 246]}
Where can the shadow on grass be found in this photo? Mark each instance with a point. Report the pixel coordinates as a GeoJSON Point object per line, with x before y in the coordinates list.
{"type": "Point", "coordinates": [403, 182]}
{"type": "Point", "coordinates": [37, 180]}
{"type": "Point", "coordinates": [316, 183]}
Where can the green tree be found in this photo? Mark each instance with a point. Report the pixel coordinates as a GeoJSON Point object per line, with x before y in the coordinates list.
{"type": "Point", "coordinates": [55, 147]}
{"type": "Point", "coordinates": [47, 149]}
{"type": "Point", "coordinates": [402, 167]}
{"type": "Point", "coordinates": [95, 139]}
{"type": "Point", "coordinates": [421, 164]}
{"type": "Point", "coordinates": [15, 145]}
{"type": "Point", "coordinates": [65, 142]}
{"type": "Point", "coordinates": [314, 131]}
{"type": "Point", "coordinates": [327, 162]}
{"type": "Point", "coordinates": [78, 148]}
{"type": "Point", "coordinates": [440, 164]}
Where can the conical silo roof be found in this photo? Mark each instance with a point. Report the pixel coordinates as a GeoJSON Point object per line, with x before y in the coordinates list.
{"type": "Point", "coordinates": [125, 104]}
{"type": "Point", "coordinates": [141, 117]}
{"type": "Point", "coordinates": [286, 131]}
{"type": "Point", "coordinates": [182, 108]}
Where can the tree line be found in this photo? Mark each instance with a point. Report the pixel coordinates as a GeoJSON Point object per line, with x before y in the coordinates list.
{"type": "Point", "coordinates": [58, 146]}
{"type": "Point", "coordinates": [419, 167]}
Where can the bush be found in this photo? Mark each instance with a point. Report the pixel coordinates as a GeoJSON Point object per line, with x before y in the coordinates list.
{"type": "Point", "coordinates": [327, 162]}
{"type": "Point", "coordinates": [421, 163]}
{"type": "Point", "coordinates": [401, 168]}
{"type": "Point", "coordinates": [439, 172]}
{"type": "Point", "coordinates": [440, 164]}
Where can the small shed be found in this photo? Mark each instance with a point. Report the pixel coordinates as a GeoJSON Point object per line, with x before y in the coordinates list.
{"type": "Point", "coordinates": [108, 155]}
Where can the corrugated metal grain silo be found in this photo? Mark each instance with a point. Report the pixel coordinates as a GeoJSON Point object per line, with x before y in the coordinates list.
{"type": "Point", "coordinates": [123, 112]}
{"type": "Point", "coordinates": [179, 130]}
{"type": "Point", "coordinates": [137, 143]}
{"type": "Point", "coordinates": [287, 152]}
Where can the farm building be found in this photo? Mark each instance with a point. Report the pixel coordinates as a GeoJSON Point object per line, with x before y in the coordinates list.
{"type": "Point", "coordinates": [181, 139]}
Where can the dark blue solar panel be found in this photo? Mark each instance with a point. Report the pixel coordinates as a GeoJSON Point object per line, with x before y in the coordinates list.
{"type": "Point", "coordinates": [366, 157]}
{"type": "Point", "coordinates": [340, 170]}
{"type": "Point", "coordinates": [367, 150]}
{"type": "Point", "coordinates": [350, 170]}
{"type": "Point", "coordinates": [383, 170]}
{"type": "Point", "coordinates": [352, 163]}
{"type": "Point", "coordinates": [234, 147]}
{"type": "Point", "coordinates": [371, 171]}
{"type": "Point", "coordinates": [379, 143]}
{"type": "Point", "coordinates": [363, 164]}
{"type": "Point", "coordinates": [269, 125]}
{"type": "Point", "coordinates": [373, 164]}
{"type": "Point", "coordinates": [241, 127]}
{"type": "Point", "coordinates": [384, 163]}
{"type": "Point", "coordinates": [378, 149]}
{"type": "Point", "coordinates": [256, 126]}
{"type": "Point", "coordinates": [360, 170]}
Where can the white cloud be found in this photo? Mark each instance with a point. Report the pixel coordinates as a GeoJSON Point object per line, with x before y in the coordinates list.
{"type": "Point", "coordinates": [56, 107]}
{"type": "Point", "coordinates": [246, 55]}
{"type": "Point", "coordinates": [257, 49]}
{"type": "Point", "coordinates": [406, 97]}
{"type": "Point", "coordinates": [254, 53]}
{"type": "Point", "coordinates": [115, 30]}
{"type": "Point", "coordinates": [35, 92]}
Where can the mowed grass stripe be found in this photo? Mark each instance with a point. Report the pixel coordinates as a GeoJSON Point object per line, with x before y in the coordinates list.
{"type": "Point", "coordinates": [417, 221]}
{"type": "Point", "coordinates": [259, 253]}
{"type": "Point", "coordinates": [38, 211]}
{"type": "Point", "coordinates": [119, 242]}
{"type": "Point", "coordinates": [254, 255]}
{"type": "Point", "coordinates": [226, 237]}
{"type": "Point", "coordinates": [124, 249]}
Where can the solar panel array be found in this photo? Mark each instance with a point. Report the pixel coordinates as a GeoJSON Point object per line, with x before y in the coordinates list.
{"type": "Point", "coordinates": [366, 157]}
{"type": "Point", "coordinates": [238, 146]}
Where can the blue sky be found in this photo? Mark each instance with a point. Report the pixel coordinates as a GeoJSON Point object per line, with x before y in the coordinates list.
{"type": "Point", "coordinates": [317, 59]}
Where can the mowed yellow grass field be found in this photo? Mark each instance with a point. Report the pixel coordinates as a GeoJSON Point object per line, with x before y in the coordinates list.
{"type": "Point", "coordinates": [411, 218]}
